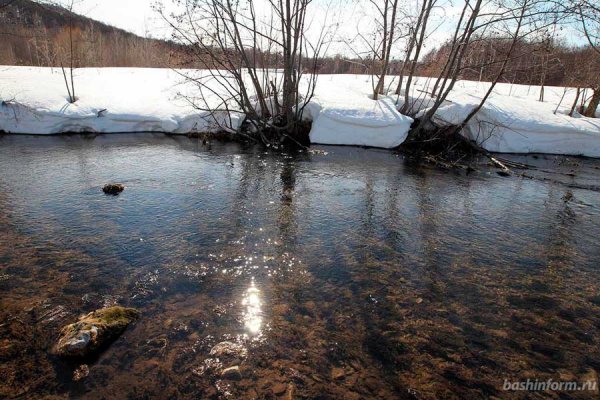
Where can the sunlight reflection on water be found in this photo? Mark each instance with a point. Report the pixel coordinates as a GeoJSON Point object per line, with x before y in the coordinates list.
{"type": "Point", "coordinates": [253, 315]}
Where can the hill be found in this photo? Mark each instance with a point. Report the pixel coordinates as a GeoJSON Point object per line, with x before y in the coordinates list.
{"type": "Point", "coordinates": [39, 34]}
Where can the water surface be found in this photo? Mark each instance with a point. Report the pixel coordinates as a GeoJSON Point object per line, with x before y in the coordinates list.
{"type": "Point", "coordinates": [340, 275]}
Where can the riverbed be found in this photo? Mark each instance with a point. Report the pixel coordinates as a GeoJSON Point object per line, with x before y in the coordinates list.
{"type": "Point", "coordinates": [340, 273]}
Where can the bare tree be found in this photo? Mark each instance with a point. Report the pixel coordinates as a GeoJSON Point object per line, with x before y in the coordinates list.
{"type": "Point", "coordinates": [589, 15]}
{"type": "Point", "coordinates": [510, 23]}
{"type": "Point", "coordinates": [586, 15]}
{"type": "Point", "coordinates": [516, 36]}
{"type": "Point", "coordinates": [257, 65]}
{"type": "Point", "coordinates": [415, 44]}
{"type": "Point", "coordinates": [386, 21]}
{"type": "Point", "coordinates": [70, 83]}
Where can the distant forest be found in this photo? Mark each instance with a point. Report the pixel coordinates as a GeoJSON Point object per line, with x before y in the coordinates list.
{"type": "Point", "coordinates": [39, 34]}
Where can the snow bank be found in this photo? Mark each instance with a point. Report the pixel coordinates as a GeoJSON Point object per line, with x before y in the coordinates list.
{"type": "Point", "coordinates": [519, 125]}
{"type": "Point", "coordinates": [110, 100]}
{"type": "Point", "coordinates": [347, 116]}
{"type": "Point", "coordinates": [142, 100]}
{"type": "Point", "coordinates": [513, 120]}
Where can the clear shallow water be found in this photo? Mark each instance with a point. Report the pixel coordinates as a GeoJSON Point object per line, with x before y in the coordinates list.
{"type": "Point", "coordinates": [347, 275]}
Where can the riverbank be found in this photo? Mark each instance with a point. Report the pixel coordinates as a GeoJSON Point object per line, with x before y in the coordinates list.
{"type": "Point", "coordinates": [111, 100]}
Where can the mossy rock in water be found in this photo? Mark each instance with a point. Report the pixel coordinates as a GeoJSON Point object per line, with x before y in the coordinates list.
{"type": "Point", "coordinates": [91, 332]}
{"type": "Point", "coordinates": [113, 188]}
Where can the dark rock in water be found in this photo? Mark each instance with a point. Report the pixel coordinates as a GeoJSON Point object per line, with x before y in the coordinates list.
{"type": "Point", "coordinates": [287, 195]}
{"type": "Point", "coordinates": [90, 333]}
{"type": "Point", "coordinates": [113, 188]}
{"type": "Point", "coordinates": [503, 173]}
{"type": "Point", "coordinates": [568, 196]}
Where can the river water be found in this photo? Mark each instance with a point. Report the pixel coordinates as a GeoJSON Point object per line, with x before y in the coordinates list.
{"type": "Point", "coordinates": [343, 273]}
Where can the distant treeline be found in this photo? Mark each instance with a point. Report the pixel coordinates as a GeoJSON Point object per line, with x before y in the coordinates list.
{"type": "Point", "coordinates": [40, 35]}
{"type": "Point", "coordinates": [543, 63]}
{"type": "Point", "coordinates": [550, 64]}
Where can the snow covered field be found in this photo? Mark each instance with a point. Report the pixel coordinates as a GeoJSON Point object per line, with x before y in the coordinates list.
{"type": "Point", "coordinates": [142, 100]}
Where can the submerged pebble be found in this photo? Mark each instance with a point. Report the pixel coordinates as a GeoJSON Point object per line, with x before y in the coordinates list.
{"type": "Point", "coordinates": [279, 388]}
{"type": "Point", "coordinates": [337, 373]}
{"type": "Point", "coordinates": [232, 373]}
{"type": "Point", "coordinates": [229, 349]}
{"type": "Point", "coordinates": [81, 373]}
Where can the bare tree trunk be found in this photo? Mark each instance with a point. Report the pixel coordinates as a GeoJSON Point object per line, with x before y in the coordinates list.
{"type": "Point", "coordinates": [592, 107]}
{"type": "Point", "coordinates": [426, 10]}
{"type": "Point", "coordinates": [454, 65]}
{"type": "Point", "coordinates": [73, 98]}
{"type": "Point", "coordinates": [500, 74]}
{"type": "Point", "coordinates": [450, 60]}
{"type": "Point", "coordinates": [574, 106]}
{"type": "Point", "coordinates": [388, 11]}
{"type": "Point", "coordinates": [254, 64]}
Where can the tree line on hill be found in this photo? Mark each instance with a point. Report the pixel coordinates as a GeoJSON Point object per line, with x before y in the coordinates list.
{"type": "Point", "coordinates": [46, 35]}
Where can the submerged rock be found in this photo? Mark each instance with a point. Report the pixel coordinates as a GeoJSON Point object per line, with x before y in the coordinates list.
{"type": "Point", "coordinates": [279, 388]}
{"type": "Point", "coordinates": [232, 373]}
{"type": "Point", "coordinates": [113, 188]}
{"type": "Point", "coordinates": [337, 373]}
{"type": "Point", "coordinates": [81, 373]}
{"type": "Point", "coordinates": [229, 349]}
{"type": "Point", "coordinates": [94, 330]}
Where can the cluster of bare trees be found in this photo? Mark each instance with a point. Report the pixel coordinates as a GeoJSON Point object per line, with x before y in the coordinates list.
{"type": "Point", "coordinates": [589, 18]}
{"type": "Point", "coordinates": [496, 41]}
{"type": "Point", "coordinates": [257, 61]}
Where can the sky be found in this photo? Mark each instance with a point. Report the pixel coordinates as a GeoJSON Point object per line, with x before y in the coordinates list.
{"type": "Point", "coordinates": [136, 16]}
{"type": "Point", "coordinates": [349, 16]}
{"type": "Point", "coordinates": [139, 17]}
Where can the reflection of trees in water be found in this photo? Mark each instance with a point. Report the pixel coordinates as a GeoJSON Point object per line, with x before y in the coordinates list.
{"type": "Point", "coordinates": [259, 173]}
{"type": "Point", "coordinates": [441, 249]}
{"type": "Point", "coordinates": [560, 246]}
{"type": "Point", "coordinates": [253, 175]}
{"type": "Point", "coordinates": [558, 250]}
{"type": "Point", "coordinates": [286, 219]}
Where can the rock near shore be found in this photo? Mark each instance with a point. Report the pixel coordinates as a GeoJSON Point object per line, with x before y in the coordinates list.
{"type": "Point", "coordinates": [91, 332]}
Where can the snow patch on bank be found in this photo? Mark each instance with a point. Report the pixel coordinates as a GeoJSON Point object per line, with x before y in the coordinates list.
{"type": "Point", "coordinates": [349, 117]}
{"type": "Point", "coordinates": [516, 125]}
{"type": "Point", "coordinates": [110, 100]}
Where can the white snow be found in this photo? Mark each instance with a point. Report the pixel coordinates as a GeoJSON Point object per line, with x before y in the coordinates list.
{"type": "Point", "coordinates": [513, 125]}
{"type": "Point", "coordinates": [514, 121]}
{"type": "Point", "coordinates": [349, 117]}
{"type": "Point", "coordinates": [142, 100]}
{"type": "Point", "coordinates": [110, 100]}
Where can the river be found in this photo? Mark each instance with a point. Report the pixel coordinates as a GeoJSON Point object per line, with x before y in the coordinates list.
{"type": "Point", "coordinates": [342, 273]}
